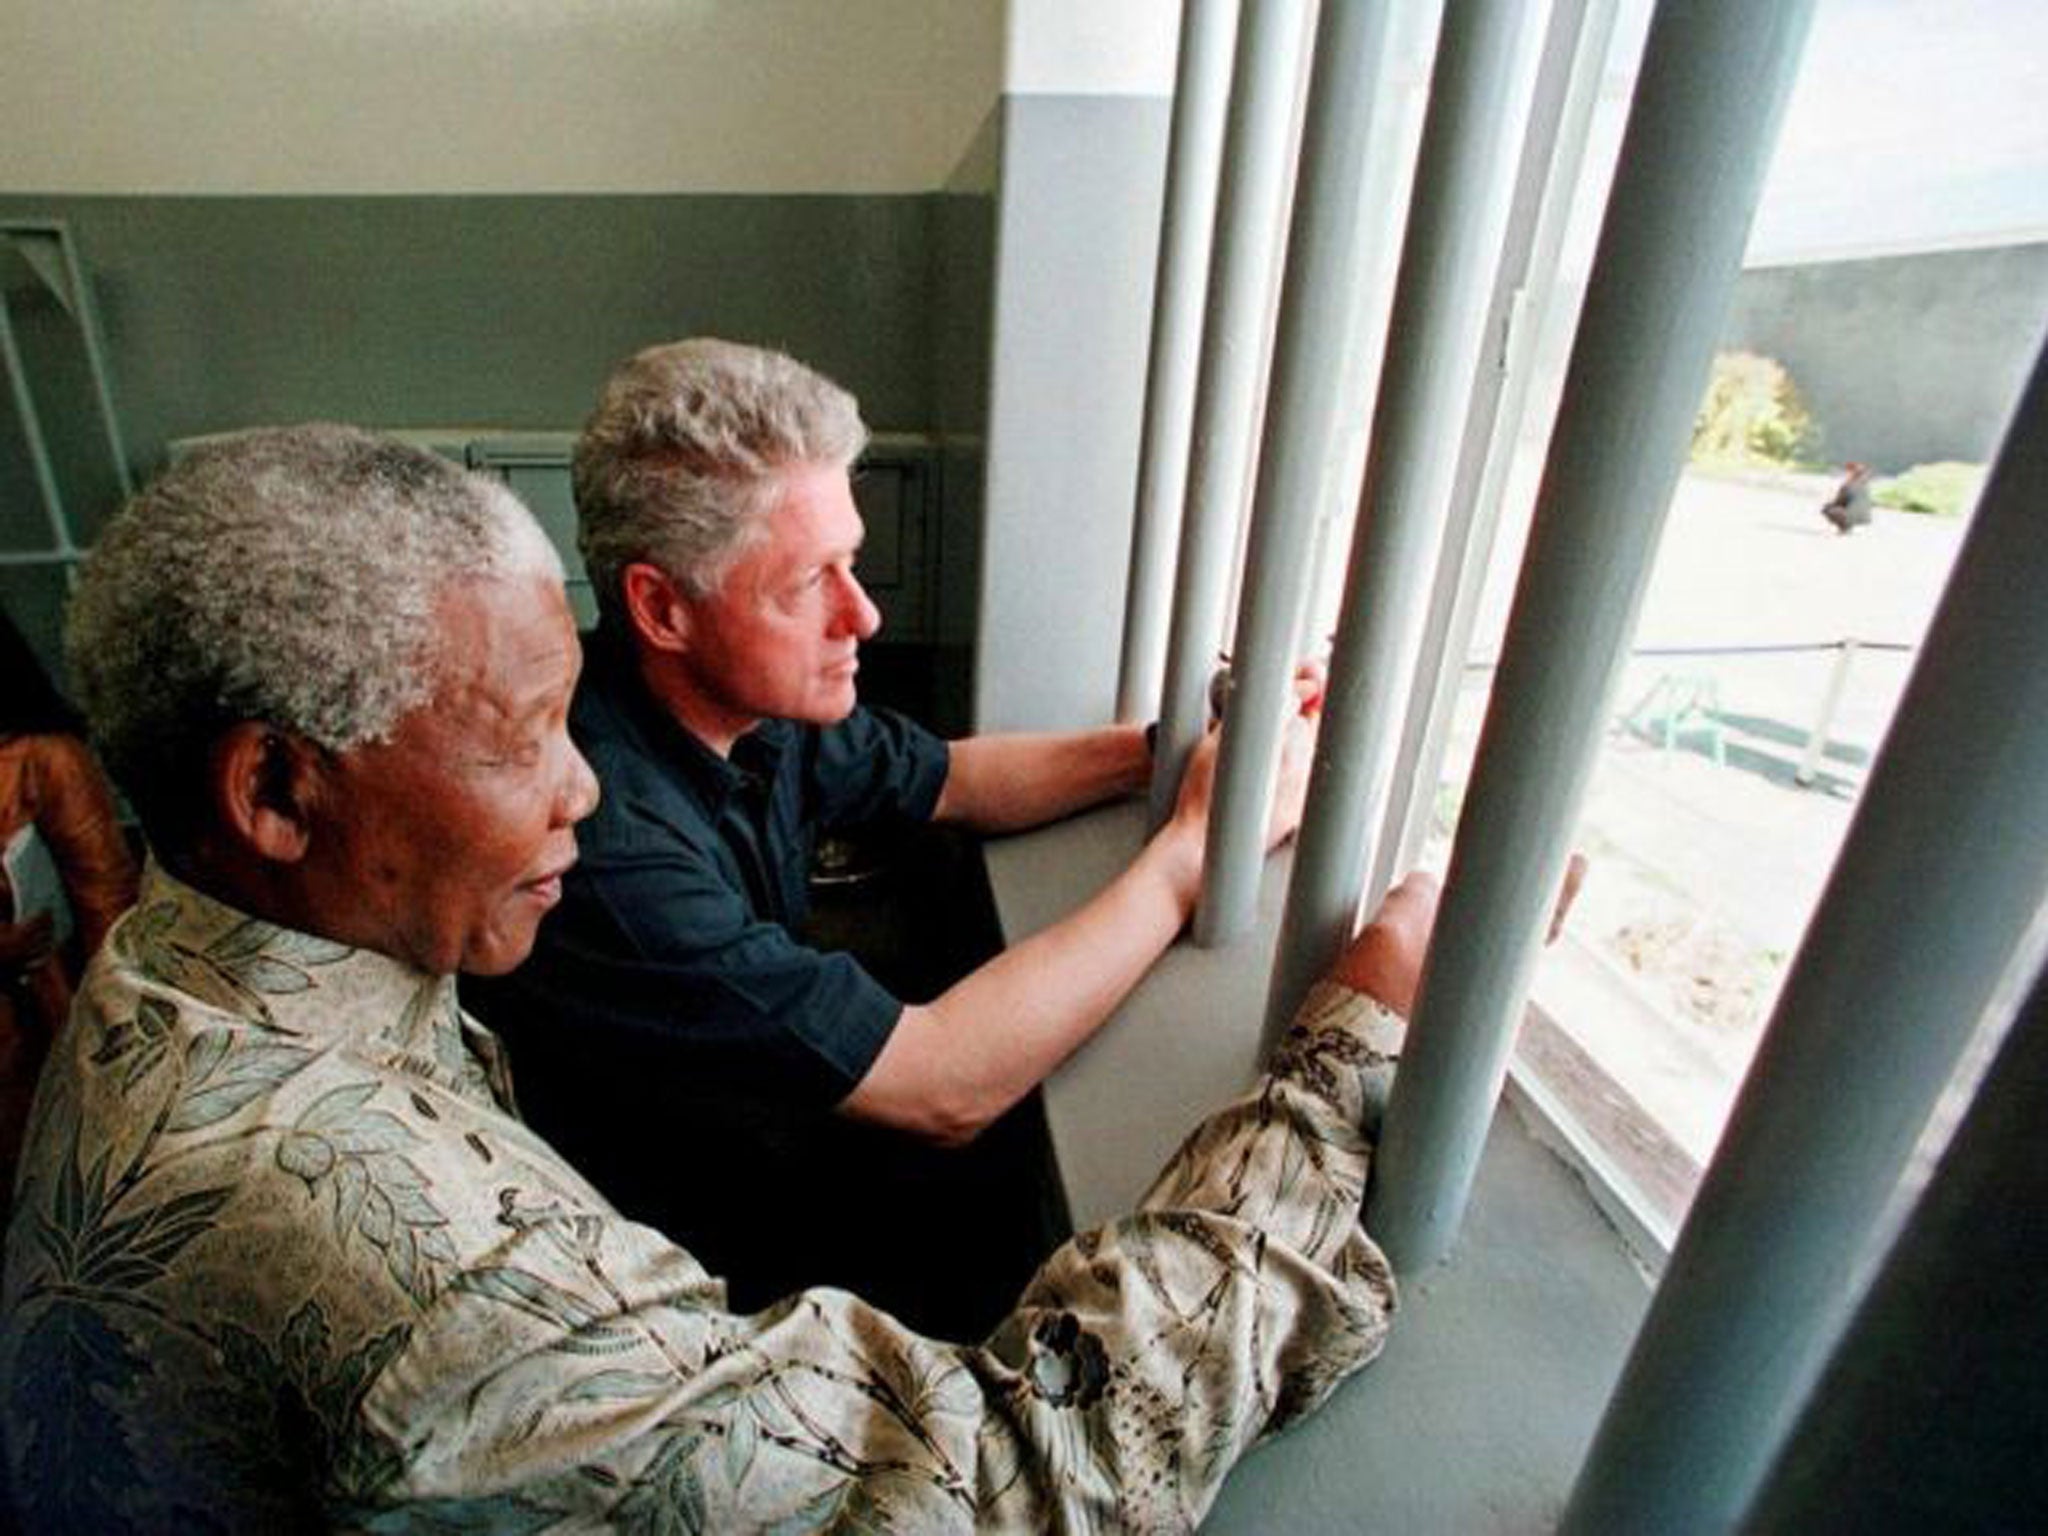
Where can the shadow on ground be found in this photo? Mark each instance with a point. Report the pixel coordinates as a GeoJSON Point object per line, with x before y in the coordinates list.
{"type": "Point", "coordinates": [1780, 734]}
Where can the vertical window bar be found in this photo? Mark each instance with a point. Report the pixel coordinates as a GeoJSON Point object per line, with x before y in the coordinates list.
{"type": "Point", "coordinates": [1251, 212]}
{"type": "Point", "coordinates": [1919, 1424]}
{"type": "Point", "coordinates": [1439, 299]}
{"type": "Point", "coordinates": [1322, 307]}
{"type": "Point", "coordinates": [1878, 1006]}
{"type": "Point", "coordinates": [1553, 153]}
{"type": "Point", "coordinates": [1713, 87]}
{"type": "Point", "coordinates": [1194, 165]}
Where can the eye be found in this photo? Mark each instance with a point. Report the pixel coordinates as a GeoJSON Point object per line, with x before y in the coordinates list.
{"type": "Point", "coordinates": [521, 754]}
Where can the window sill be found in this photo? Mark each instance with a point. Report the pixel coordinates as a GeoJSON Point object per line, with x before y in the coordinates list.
{"type": "Point", "coordinates": [1479, 1412]}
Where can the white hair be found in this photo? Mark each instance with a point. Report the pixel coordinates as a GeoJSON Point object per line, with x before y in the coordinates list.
{"type": "Point", "coordinates": [680, 463]}
{"type": "Point", "coordinates": [286, 575]}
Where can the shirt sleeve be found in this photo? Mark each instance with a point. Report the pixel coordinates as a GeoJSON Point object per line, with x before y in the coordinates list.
{"type": "Point", "coordinates": [874, 765]}
{"type": "Point", "coordinates": [590, 1371]}
{"type": "Point", "coordinates": [75, 812]}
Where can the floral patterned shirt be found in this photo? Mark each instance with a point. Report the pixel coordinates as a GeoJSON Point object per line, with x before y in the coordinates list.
{"type": "Point", "coordinates": [285, 1258]}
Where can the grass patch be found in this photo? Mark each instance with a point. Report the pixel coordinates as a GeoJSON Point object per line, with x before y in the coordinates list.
{"type": "Point", "coordinates": [1947, 488]}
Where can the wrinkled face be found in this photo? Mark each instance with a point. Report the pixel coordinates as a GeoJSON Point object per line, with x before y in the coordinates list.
{"type": "Point", "coordinates": [779, 637]}
{"type": "Point", "coordinates": [445, 845]}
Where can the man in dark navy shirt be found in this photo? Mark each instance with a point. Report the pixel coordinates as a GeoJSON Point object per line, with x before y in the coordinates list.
{"type": "Point", "coordinates": [718, 707]}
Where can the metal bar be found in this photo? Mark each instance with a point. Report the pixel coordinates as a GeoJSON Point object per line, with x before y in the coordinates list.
{"type": "Point", "coordinates": [1438, 307]}
{"type": "Point", "coordinates": [1830, 701]}
{"type": "Point", "coordinates": [1322, 305]}
{"type": "Point", "coordinates": [32, 434]}
{"type": "Point", "coordinates": [1250, 218]}
{"type": "Point", "coordinates": [1800, 647]}
{"type": "Point", "coordinates": [1929, 1415]}
{"type": "Point", "coordinates": [86, 312]}
{"type": "Point", "coordinates": [1713, 86]}
{"type": "Point", "coordinates": [1397, 136]}
{"type": "Point", "coordinates": [1879, 1003]}
{"type": "Point", "coordinates": [41, 246]}
{"type": "Point", "coordinates": [1193, 167]}
{"type": "Point", "coordinates": [1567, 90]}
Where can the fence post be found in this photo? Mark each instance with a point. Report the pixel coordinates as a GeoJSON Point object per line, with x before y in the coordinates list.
{"type": "Point", "coordinates": [1830, 701]}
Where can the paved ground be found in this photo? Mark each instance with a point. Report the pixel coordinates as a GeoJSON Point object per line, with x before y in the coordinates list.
{"type": "Point", "coordinates": [1704, 872]}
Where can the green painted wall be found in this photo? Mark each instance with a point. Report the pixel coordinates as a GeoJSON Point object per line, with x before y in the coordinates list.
{"type": "Point", "coordinates": [506, 311]}
{"type": "Point", "coordinates": [500, 311]}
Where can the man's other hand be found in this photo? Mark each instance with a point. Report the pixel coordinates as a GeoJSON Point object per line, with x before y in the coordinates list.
{"type": "Point", "coordinates": [1385, 960]}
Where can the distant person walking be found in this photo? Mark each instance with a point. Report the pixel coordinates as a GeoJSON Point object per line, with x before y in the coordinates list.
{"type": "Point", "coordinates": [1849, 508]}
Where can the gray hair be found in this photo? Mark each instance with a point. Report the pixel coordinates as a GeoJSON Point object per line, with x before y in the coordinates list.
{"type": "Point", "coordinates": [285, 575]}
{"type": "Point", "coordinates": [679, 464]}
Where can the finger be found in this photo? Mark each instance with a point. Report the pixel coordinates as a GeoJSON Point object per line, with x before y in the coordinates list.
{"type": "Point", "coordinates": [1412, 903]}
{"type": "Point", "coordinates": [1310, 685]}
{"type": "Point", "coordinates": [1385, 959]}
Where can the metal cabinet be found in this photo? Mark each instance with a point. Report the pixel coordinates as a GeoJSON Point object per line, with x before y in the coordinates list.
{"type": "Point", "coordinates": [896, 488]}
{"type": "Point", "coordinates": [536, 467]}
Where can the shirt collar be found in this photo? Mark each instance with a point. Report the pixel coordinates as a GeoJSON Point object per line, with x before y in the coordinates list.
{"type": "Point", "coordinates": [612, 684]}
{"type": "Point", "coordinates": [293, 983]}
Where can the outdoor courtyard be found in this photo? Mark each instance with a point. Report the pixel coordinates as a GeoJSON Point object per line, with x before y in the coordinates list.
{"type": "Point", "coordinates": [1706, 850]}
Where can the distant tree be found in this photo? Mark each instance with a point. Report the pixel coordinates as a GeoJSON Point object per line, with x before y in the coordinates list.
{"type": "Point", "coordinates": [1752, 414]}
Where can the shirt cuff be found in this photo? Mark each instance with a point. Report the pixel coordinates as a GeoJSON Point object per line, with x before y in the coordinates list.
{"type": "Point", "coordinates": [1343, 1047]}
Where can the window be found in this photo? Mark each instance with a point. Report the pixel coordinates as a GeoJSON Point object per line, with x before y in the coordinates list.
{"type": "Point", "coordinates": [1897, 273]}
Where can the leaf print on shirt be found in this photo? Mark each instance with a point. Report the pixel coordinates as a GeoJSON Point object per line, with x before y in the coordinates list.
{"type": "Point", "coordinates": [867, 1505]}
{"type": "Point", "coordinates": [227, 1069]}
{"type": "Point", "coordinates": [429, 1040]}
{"type": "Point", "coordinates": [668, 1498]}
{"type": "Point", "coordinates": [76, 1363]}
{"type": "Point", "coordinates": [584, 1330]}
{"type": "Point", "coordinates": [338, 1144]}
{"type": "Point", "coordinates": [73, 1367]}
{"type": "Point", "coordinates": [288, 1414]}
{"type": "Point", "coordinates": [88, 1249]}
{"type": "Point", "coordinates": [141, 1041]}
{"type": "Point", "coordinates": [503, 1514]}
{"type": "Point", "coordinates": [237, 968]}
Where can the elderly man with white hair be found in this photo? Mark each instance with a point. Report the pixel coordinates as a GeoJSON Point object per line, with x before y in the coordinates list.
{"type": "Point", "coordinates": [284, 1255]}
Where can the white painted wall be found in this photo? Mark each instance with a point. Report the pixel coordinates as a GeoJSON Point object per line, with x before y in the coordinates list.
{"type": "Point", "coordinates": [1090, 47]}
{"type": "Point", "coordinates": [392, 96]}
{"type": "Point", "coordinates": [1087, 86]}
{"type": "Point", "coordinates": [1077, 228]}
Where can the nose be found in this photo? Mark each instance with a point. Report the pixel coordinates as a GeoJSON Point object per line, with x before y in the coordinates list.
{"type": "Point", "coordinates": [858, 613]}
{"type": "Point", "coordinates": [576, 794]}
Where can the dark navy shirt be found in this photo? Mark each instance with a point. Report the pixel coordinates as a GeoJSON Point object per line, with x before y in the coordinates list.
{"type": "Point", "coordinates": [670, 1010]}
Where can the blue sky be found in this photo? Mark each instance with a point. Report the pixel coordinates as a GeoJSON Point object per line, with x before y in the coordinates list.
{"type": "Point", "coordinates": [1913, 122]}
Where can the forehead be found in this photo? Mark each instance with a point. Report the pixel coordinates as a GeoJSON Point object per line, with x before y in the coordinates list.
{"type": "Point", "coordinates": [503, 644]}
{"type": "Point", "coordinates": [813, 515]}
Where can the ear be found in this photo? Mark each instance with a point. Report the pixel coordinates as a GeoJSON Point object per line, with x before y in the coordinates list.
{"type": "Point", "coordinates": [659, 611]}
{"type": "Point", "coordinates": [263, 788]}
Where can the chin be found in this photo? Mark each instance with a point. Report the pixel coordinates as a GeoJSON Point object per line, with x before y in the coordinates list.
{"type": "Point", "coordinates": [826, 711]}
{"type": "Point", "coordinates": [500, 955]}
